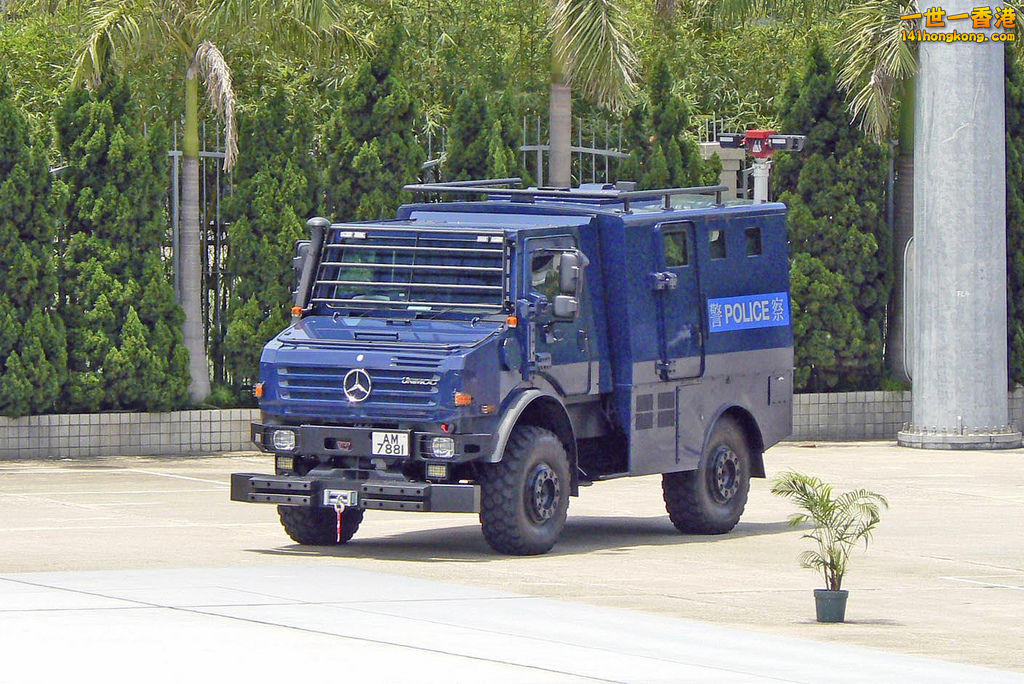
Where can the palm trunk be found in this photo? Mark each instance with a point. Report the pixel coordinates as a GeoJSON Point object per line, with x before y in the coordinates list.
{"type": "Point", "coordinates": [560, 124]}
{"type": "Point", "coordinates": [189, 243]}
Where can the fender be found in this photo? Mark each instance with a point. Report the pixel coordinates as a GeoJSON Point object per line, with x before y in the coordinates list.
{"type": "Point", "coordinates": [749, 423]}
{"type": "Point", "coordinates": [560, 422]}
{"type": "Point", "coordinates": [545, 410]}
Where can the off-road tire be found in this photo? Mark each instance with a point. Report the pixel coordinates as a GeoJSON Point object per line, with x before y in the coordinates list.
{"type": "Point", "coordinates": [319, 526]}
{"type": "Point", "coordinates": [710, 500]}
{"type": "Point", "coordinates": [524, 499]}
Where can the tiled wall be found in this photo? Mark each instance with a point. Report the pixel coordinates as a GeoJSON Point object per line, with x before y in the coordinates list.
{"type": "Point", "coordinates": [865, 415]}
{"type": "Point", "coordinates": [823, 417]}
{"type": "Point", "coordinates": [125, 434]}
{"type": "Point", "coordinates": [849, 415]}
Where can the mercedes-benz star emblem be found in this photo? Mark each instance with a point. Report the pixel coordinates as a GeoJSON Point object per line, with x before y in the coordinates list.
{"type": "Point", "coordinates": [357, 385]}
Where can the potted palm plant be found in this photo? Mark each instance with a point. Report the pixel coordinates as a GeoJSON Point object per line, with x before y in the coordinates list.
{"type": "Point", "coordinates": [840, 522]}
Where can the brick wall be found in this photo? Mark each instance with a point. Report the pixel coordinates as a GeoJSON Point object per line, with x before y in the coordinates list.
{"type": "Point", "coordinates": [822, 417]}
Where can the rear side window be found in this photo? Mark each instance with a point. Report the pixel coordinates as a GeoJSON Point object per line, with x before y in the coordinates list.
{"type": "Point", "coordinates": [716, 243]}
{"type": "Point", "coordinates": [753, 234]}
{"type": "Point", "coordinates": [676, 249]}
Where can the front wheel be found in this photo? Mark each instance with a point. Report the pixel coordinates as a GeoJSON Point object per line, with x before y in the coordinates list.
{"type": "Point", "coordinates": [524, 499]}
{"type": "Point", "coordinates": [711, 499]}
{"type": "Point", "coordinates": [319, 526]}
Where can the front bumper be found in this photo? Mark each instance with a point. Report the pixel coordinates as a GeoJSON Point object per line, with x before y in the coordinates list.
{"type": "Point", "coordinates": [381, 494]}
{"type": "Point", "coordinates": [333, 440]}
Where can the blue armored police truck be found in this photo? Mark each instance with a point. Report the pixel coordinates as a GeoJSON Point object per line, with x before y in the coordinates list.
{"type": "Point", "coordinates": [497, 348]}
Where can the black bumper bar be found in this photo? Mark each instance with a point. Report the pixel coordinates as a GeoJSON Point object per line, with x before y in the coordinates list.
{"type": "Point", "coordinates": [389, 495]}
{"type": "Point", "coordinates": [331, 440]}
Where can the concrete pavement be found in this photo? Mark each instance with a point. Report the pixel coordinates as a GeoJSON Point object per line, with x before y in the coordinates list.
{"type": "Point", "coordinates": [943, 578]}
{"type": "Point", "coordinates": [335, 623]}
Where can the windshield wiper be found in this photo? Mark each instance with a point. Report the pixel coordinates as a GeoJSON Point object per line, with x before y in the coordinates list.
{"type": "Point", "coordinates": [432, 314]}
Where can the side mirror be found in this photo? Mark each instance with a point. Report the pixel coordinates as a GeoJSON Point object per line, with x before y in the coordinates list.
{"type": "Point", "coordinates": [302, 250]}
{"type": "Point", "coordinates": [570, 270]}
{"type": "Point", "coordinates": [565, 306]}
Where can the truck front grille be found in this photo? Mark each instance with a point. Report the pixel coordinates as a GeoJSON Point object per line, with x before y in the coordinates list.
{"type": "Point", "coordinates": [403, 390]}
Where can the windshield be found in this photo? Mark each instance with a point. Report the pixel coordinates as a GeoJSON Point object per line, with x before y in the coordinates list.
{"type": "Point", "coordinates": [421, 270]}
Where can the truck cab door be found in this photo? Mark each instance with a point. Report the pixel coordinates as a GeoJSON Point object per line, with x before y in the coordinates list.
{"type": "Point", "coordinates": [559, 346]}
{"type": "Point", "coordinates": [681, 331]}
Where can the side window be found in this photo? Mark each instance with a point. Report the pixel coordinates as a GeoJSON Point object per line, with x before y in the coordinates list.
{"type": "Point", "coordinates": [677, 251]}
{"type": "Point", "coordinates": [716, 243]}
{"type": "Point", "coordinates": [544, 274]}
{"type": "Point", "coordinates": [753, 241]}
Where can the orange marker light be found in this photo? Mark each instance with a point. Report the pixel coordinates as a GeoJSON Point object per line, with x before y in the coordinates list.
{"type": "Point", "coordinates": [463, 399]}
{"type": "Point", "coordinates": [512, 321]}
{"type": "Point", "coordinates": [257, 390]}
{"type": "Point", "coordinates": [297, 311]}
{"type": "Point", "coordinates": [487, 409]}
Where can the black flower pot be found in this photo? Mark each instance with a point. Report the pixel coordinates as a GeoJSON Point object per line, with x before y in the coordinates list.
{"type": "Point", "coordinates": [830, 605]}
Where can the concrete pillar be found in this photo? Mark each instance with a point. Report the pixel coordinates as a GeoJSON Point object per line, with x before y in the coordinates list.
{"type": "Point", "coordinates": [733, 162]}
{"type": "Point", "coordinates": [959, 359]}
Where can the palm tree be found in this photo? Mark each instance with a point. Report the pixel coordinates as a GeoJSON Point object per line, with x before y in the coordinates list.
{"type": "Point", "coordinates": [188, 29]}
{"type": "Point", "coordinates": [840, 521]}
{"type": "Point", "coordinates": [590, 51]}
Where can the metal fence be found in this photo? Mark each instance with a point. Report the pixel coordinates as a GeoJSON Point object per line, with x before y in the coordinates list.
{"type": "Point", "coordinates": [584, 155]}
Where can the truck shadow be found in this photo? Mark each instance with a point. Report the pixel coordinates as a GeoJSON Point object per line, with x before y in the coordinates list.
{"type": "Point", "coordinates": [582, 534]}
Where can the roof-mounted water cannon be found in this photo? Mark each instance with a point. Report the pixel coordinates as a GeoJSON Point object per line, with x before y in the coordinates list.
{"type": "Point", "coordinates": [762, 144]}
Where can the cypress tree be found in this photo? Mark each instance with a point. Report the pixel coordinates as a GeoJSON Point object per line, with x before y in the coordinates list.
{"type": "Point", "coordinates": [505, 130]}
{"type": "Point", "coordinates": [1014, 216]}
{"type": "Point", "coordinates": [33, 355]}
{"type": "Point", "coordinates": [501, 161]}
{"type": "Point", "coordinates": [371, 146]}
{"type": "Point", "coordinates": [483, 138]}
{"type": "Point", "coordinates": [467, 149]}
{"type": "Point", "coordinates": [276, 190]}
{"type": "Point", "coordinates": [839, 241]}
{"type": "Point", "coordinates": [125, 348]}
{"type": "Point", "coordinates": [662, 153]}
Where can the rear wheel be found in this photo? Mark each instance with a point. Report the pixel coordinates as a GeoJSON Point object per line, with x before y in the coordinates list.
{"type": "Point", "coordinates": [524, 499]}
{"type": "Point", "coordinates": [711, 499]}
{"type": "Point", "coordinates": [319, 526]}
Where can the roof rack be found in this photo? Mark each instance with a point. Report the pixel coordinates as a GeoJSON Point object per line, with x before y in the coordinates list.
{"type": "Point", "coordinates": [493, 186]}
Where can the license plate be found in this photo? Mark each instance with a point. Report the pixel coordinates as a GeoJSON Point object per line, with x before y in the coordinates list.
{"type": "Point", "coordinates": [389, 443]}
{"type": "Point", "coordinates": [345, 497]}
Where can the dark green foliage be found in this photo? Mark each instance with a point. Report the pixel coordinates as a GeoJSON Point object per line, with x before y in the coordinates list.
{"type": "Point", "coordinates": [502, 161]}
{"type": "Point", "coordinates": [482, 138]}
{"type": "Point", "coordinates": [277, 188]}
{"type": "Point", "coordinates": [839, 242]}
{"type": "Point", "coordinates": [1015, 216]}
{"type": "Point", "coordinates": [467, 146]}
{"type": "Point", "coordinates": [370, 144]}
{"type": "Point", "coordinates": [662, 153]}
{"type": "Point", "coordinates": [123, 324]}
{"type": "Point", "coordinates": [33, 356]}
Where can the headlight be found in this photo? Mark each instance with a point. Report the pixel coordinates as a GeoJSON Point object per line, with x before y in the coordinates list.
{"type": "Point", "coordinates": [283, 440]}
{"type": "Point", "coordinates": [442, 447]}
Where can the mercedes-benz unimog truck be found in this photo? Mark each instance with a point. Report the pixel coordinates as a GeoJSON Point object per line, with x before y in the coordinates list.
{"type": "Point", "coordinates": [493, 349]}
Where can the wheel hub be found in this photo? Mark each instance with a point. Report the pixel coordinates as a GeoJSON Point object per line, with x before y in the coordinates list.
{"type": "Point", "coordinates": [724, 474]}
{"type": "Point", "coordinates": [543, 489]}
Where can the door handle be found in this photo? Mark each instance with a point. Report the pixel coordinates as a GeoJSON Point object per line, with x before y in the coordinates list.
{"type": "Point", "coordinates": [664, 280]}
